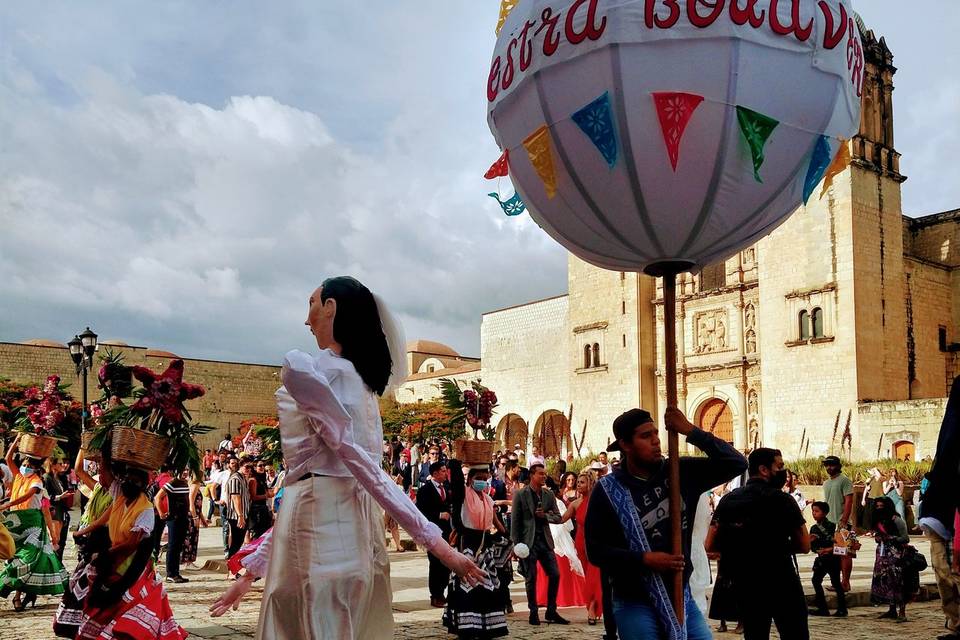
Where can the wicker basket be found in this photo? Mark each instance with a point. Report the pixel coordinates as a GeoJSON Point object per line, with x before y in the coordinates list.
{"type": "Point", "coordinates": [89, 454]}
{"type": "Point", "coordinates": [473, 451]}
{"type": "Point", "coordinates": [139, 448]}
{"type": "Point", "coordinates": [37, 446]}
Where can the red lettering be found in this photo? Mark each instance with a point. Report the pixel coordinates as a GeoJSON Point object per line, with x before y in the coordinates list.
{"type": "Point", "coordinates": [493, 81]}
{"type": "Point", "coordinates": [526, 47]}
{"type": "Point", "coordinates": [858, 70]}
{"type": "Point", "coordinates": [832, 38]}
{"type": "Point", "coordinates": [854, 58]}
{"type": "Point", "coordinates": [550, 43]}
{"type": "Point", "coordinates": [747, 14]}
{"type": "Point", "coordinates": [591, 29]}
{"type": "Point", "coordinates": [801, 33]}
{"type": "Point", "coordinates": [703, 22]}
{"type": "Point", "coordinates": [508, 72]}
{"type": "Point", "coordinates": [653, 18]}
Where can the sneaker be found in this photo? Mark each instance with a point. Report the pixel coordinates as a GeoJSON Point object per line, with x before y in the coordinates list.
{"type": "Point", "coordinates": [818, 612]}
{"type": "Point", "coordinates": [177, 579]}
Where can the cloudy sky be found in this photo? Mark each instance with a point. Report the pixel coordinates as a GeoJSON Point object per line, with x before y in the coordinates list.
{"type": "Point", "coordinates": [183, 174]}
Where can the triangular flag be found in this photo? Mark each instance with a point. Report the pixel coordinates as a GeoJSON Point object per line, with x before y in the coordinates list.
{"type": "Point", "coordinates": [499, 168]}
{"type": "Point", "coordinates": [819, 161]}
{"type": "Point", "coordinates": [512, 207]}
{"type": "Point", "coordinates": [538, 147]}
{"type": "Point", "coordinates": [840, 162]}
{"type": "Point", "coordinates": [674, 110]}
{"type": "Point", "coordinates": [506, 6]}
{"type": "Point", "coordinates": [756, 128]}
{"type": "Point", "coordinates": [596, 120]}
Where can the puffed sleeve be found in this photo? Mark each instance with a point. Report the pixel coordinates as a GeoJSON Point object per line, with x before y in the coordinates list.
{"type": "Point", "coordinates": [256, 563]}
{"type": "Point", "coordinates": [308, 384]}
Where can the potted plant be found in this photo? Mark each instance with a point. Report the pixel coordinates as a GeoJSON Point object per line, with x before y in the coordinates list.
{"type": "Point", "coordinates": [474, 405]}
{"type": "Point", "coordinates": [40, 417]}
{"type": "Point", "coordinates": [157, 428]}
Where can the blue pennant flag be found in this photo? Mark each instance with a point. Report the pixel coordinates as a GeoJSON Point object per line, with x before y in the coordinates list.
{"type": "Point", "coordinates": [512, 207]}
{"type": "Point", "coordinates": [596, 120]}
{"type": "Point", "coordinates": [819, 161]}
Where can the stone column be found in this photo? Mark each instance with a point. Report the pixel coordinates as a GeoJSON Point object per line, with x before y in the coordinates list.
{"type": "Point", "coordinates": [740, 433]}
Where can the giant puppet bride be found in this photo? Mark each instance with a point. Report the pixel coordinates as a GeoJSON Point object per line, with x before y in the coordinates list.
{"type": "Point", "coordinates": [325, 564]}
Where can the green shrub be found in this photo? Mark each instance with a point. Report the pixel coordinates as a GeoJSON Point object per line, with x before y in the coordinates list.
{"type": "Point", "coordinates": [811, 471]}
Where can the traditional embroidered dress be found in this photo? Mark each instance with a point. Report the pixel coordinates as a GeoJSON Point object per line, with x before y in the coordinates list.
{"type": "Point", "coordinates": [479, 611]}
{"type": "Point", "coordinates": [69, 615]}
{"type": "Point", "coordinates": [328, 575]}
{"type": "Point", "coordinates": [35, 569]}
{"type": "Point", "coordinates": [142, 612]}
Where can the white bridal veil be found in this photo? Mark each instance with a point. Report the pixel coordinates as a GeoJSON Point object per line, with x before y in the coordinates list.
{"type": "Point", "coordinates": [396, 342]}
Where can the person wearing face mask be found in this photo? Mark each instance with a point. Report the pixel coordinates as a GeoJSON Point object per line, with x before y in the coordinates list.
{"type": "Point", "coordinates": [35, 569]}
{"type": "Point", "coordinates": [477, 612]}
{"type": "Point", "coordinates": [127, 599]}
{"type": "Point", "coordinates": [757, 530]}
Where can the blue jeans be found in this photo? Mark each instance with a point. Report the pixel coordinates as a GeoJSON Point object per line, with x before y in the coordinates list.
{"type": "Point", "coordinates": [639, 621]}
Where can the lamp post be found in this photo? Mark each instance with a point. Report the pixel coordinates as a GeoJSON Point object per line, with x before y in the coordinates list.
{"type": "Point", "coordinates": [82, 348]}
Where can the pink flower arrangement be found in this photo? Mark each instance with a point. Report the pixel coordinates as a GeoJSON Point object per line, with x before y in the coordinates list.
{"type": "Point", "coordinates": [479, 406]}
{"type": "Point", "coordinates": [44, 410]}
{"type": "Point", "coordinates": [164, 393]}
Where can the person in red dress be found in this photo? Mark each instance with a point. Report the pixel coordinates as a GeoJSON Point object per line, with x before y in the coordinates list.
{"type": "Point", "coordinates": [590, 585]}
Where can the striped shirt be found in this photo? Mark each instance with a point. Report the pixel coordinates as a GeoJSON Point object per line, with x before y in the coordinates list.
{"type": "Point", "coordinates": [237, 485]}
{"type": "Point", "coordinates": [178, 499]}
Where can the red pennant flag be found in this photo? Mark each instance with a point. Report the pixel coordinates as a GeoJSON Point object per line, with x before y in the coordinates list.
{"type": "Point", "coordinates": [674, 111]}
{"type": "Point", "coordinates": [499, 168]}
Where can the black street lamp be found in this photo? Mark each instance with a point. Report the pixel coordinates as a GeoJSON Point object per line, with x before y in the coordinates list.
{"type": "Point", "coordinates": [82, 348]}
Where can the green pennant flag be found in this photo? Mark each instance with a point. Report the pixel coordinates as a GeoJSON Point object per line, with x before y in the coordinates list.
{"type": "Point", "coordinates": [756, 128]}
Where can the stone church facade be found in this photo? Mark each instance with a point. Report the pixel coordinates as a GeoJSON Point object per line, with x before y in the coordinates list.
{"type": "Point", "coordinates": [836, 333]}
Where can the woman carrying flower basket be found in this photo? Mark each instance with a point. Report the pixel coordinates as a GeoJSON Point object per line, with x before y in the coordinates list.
{"type": "Point", "coordinates": [35, 569]}
{"type": "Point", "coordinates": [127, 599]}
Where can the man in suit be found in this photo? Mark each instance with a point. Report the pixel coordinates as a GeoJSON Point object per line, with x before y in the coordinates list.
{"type": "Point", "coordinates": [534, 509]}
{"type": "Point", "coordinates": [404, 470]}
{"type": "Point", "coordinates": [433, 455]}
{"type": "Point", "coordinates": [433, 501]}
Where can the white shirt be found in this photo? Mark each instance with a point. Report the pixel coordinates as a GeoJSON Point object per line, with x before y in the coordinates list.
{"type": "Point", "coordinates": [330, 425]}
{"type": "Point", "coordinates": [535, 460]}
{"type": "Point", "coordinates": [226, 443]}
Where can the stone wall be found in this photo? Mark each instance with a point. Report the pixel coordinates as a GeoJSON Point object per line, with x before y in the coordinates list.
{"type": "Point", "coordinates": [525, 363]}
{"type": "Point", "coordinates": [929, 295]}
{"type": "Point", "coordinates": [235, 391]}
{"type": "Point", "coordinates": [916, 421]}
{"type": "Point", "coordinates": [421, 387]}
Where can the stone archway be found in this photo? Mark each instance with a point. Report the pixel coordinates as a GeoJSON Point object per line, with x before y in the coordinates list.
{"type": "Point", "coordinates": [904, 450]}
{"type": "Point", "coordinates": [511, 430]}
{"type": "Point", "coordinates": [551, 433]}
{"type": "Point", "coordinates": [716, 417]}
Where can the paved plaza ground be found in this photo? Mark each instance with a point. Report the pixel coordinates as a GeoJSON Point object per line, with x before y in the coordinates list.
{"type": "Point", "coordinates": [417, 620]}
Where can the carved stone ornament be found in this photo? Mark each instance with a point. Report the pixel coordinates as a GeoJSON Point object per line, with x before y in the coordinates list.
{"type": "Point", "coordinates": [749, 316]}
{"type": "Point", "coordinates": [751, 341]}
{"type": "Point", "coordinates": [753, 405]}
{"type": "Point", "coordinates": [710, 331]}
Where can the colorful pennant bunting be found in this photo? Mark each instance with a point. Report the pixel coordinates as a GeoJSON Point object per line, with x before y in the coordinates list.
{"type": "Point", "coordinates": [506, 6]}
{"type": "Point", "coordinates": [499, 168]}
{"type": "Point", "coordinates": [840, 162]}
{"type": "Point", "coordinates": [756, 129]}
{"type": "Point", "coordinates": [819, 161]}
{"type": "Point", "coordinates": [674, 110]}
{"type": "Point", "coordinates": [539, 149]}
{"type": "Point", "coordinates": [596, 120]}
{"type": "Point", "coordinates": [512, 207]}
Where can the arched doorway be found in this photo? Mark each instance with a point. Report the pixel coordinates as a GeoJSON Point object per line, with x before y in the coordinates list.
{"type": "Point", "coordinates": [551, 432]}
{"type": "Point", "coordinates": [511, 430]}
{"type": "Point", "coordinates": [904, 450]}
{"type": "Point", "coordinates": [717, 418]}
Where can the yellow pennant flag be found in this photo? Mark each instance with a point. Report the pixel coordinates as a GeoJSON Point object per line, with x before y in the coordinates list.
{"type": "Point", "coordinates": [539, 150]}
{"type": "Point", "coordinates": [506, 6]}
{"type": "Point", "coordinates": [840, 162]}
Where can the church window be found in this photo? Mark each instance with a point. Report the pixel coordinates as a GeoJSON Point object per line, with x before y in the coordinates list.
{"type": "Point", "coordinates": [596, 354]}
{"type": "Point", "coordinates": [804, 322]}
{"type": "Point", "coordinates": [942, 338]}
{"type": "Point", "coordinates": [624, 340]}
{"type": "Point", "coordinates": [817, 322]}
{"type": "Point", "coordinates": [587, 351]}
{"type": "Point", "coordinates": [713, 276]}
{"type": "Point", "coordinates": [430, 368]}
{"type": "Point", "coordinates": [623, 307]}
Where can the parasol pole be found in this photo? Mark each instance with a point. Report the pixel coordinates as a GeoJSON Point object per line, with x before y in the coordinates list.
{"type": "Point", "coordinates": [668, 271]}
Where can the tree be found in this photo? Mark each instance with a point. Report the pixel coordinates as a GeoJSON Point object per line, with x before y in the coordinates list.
{"type": "Point", "coordinates": [419, 422]}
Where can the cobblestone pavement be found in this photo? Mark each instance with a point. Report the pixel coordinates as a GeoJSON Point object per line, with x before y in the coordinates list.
{"type": "Point", "coordinates": [417, 621]}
